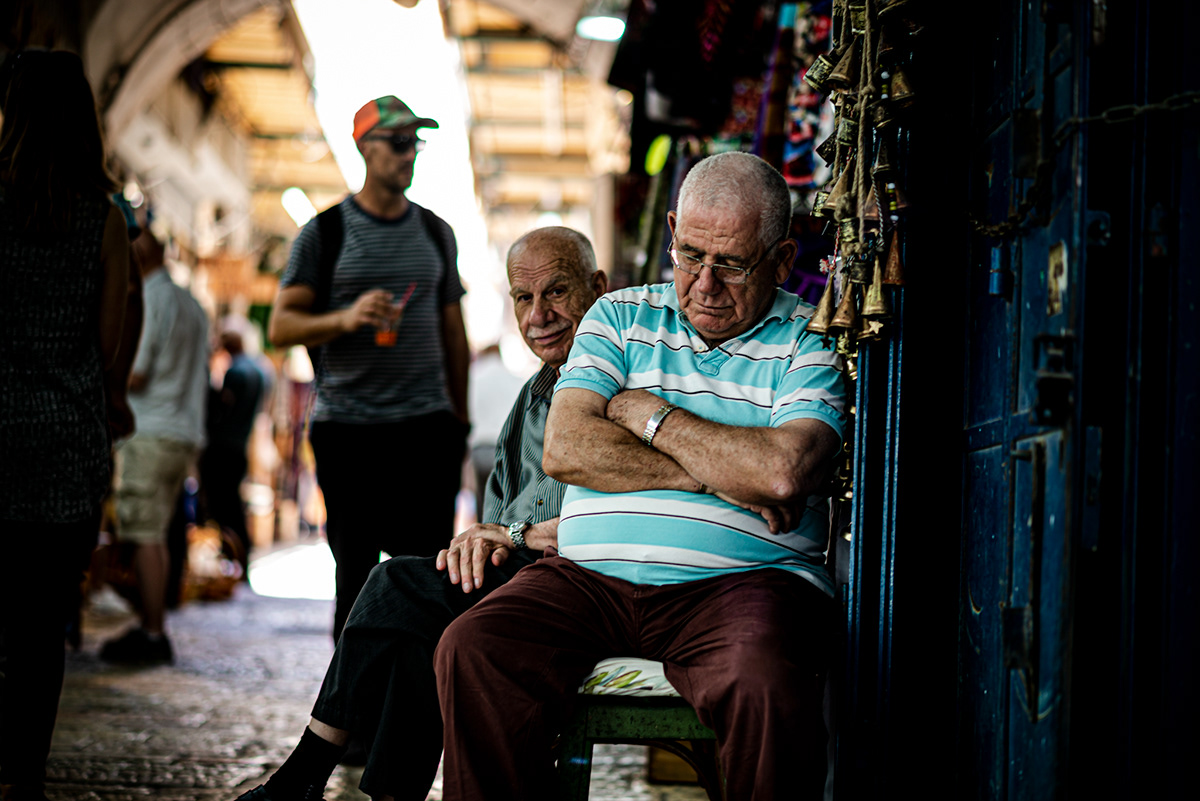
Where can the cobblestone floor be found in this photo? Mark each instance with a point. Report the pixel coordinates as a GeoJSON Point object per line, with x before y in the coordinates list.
{"type": "Point", "coordinates": [220, 719]}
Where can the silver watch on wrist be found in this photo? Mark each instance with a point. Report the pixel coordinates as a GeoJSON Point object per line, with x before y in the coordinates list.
{"type": "Point", "coordinates": [516, 534]}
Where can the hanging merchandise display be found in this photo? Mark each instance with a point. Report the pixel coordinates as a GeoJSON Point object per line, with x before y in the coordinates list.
{"type": "Point", "coordinates": [864, 200]}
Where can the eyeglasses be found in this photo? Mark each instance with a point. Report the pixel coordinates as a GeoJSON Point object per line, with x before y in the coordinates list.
{"type": "Point", "coordinates": [401, 143]}
{"type": "Point", "coordinates": [725, 273]}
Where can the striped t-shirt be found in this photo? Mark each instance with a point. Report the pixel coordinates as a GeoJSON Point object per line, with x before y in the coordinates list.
{"type": "Point", "coordinates": [775, 372]}
{"type": "Point", "coordinates": [361, 382]}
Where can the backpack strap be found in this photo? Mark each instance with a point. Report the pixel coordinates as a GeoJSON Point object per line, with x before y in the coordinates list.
{"type": "Point", "coordinates": [329, 225]}
{"type": "Point", "coordinates": [330, 228]}
{"type": "Point", "coordinates": [437, 231]}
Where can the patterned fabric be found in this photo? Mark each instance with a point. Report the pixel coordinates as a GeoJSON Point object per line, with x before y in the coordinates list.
{"type": "Point", "coordinates": [367, 383]}
{"type": "Point", "coordinates": [54, 447]}
{"type": "Point", "coordinates": [771, 375]}
{"type": "Point", "coordinates": [624, 675]}
{"type": "Point", "coordinates": [518, 489]}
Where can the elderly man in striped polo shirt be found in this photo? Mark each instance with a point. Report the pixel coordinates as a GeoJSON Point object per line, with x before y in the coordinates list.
{"type": "Point", "coordinates": [695, 423]}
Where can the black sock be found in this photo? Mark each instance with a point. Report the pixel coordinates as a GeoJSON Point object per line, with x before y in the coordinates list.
{"type": "Point", "coordinates": [311, 764]}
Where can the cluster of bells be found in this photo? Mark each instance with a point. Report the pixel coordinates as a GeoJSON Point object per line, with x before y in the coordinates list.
{"type": "Point", "coordinates": [863, 308]}
{"type": "Point", "coordinates": [866, 77]}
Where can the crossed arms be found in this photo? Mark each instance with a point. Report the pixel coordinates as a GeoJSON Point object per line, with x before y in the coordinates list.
{"type": "Point", "coordinates": [597, 444]}
{"type": "Point", "coordinates": [594, 443]}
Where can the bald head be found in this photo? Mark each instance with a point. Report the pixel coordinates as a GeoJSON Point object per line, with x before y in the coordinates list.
{"type": "Point", "coordinates": [574, 247]}
{"type": "Point", "coordinates": [553, 281]}
{"type": "Point", "coordinates": [743, 183]}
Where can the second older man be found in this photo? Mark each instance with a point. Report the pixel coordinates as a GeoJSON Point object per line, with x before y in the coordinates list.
{"type": "Point", "coordinates": [695, 422]}
{"type": "Point", "coordinates": [380, 683]}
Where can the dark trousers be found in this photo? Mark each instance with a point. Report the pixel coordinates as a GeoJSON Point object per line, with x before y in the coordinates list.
{"type": "Point", "coordinates": [222, 469]}
{"type": "Point", "coordinates": [380, 684]}
{"type": "Point", "coordinates": [388, 487]}
{"type": "Point", "coordinates": [41, 567]}
{"type": "Point", "coordinates": [748, 651]}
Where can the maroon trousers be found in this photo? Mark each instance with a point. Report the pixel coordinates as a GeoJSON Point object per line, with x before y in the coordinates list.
{"type": "Point", "coordinates": [748, 651]}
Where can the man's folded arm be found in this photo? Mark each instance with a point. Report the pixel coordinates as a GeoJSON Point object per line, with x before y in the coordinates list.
{"type": "Point", "coordinates": [583, 447]}
{"type": "Point", "coordinates": [755, 465]}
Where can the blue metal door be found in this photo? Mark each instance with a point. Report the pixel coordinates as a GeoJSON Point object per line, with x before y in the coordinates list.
{"type": "Point", "coordinates": [1019, 442]}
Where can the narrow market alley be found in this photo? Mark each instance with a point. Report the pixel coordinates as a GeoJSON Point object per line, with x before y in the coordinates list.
{"type": "Point", "coordinates": [228, 711]}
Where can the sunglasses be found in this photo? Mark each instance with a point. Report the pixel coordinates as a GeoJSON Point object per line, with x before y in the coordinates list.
{"type": "Point", "coordinates": [401, 143]}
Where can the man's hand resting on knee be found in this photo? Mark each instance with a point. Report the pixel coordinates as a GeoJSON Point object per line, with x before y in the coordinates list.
{"type": "Point", "coordinates": [469, 553]}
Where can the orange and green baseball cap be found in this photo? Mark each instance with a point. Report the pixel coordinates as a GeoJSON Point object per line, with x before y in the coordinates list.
{"type": "Point", "coordinates": [387, 112]}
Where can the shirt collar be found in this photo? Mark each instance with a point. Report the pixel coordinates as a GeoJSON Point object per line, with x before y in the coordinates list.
{"type": "Point", "coordinates": [543, 382]}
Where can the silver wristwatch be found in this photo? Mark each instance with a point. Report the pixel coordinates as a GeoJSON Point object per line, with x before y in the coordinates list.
{"type": "Point", "coordinates": [655, 421]}
{"type": "Point", "coordinates": [516, 534]}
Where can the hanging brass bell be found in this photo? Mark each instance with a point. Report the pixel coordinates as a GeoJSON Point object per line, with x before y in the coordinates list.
{"type": "Point", "coordinates": [840, 188]}
{"type": "Point", "coordinates": [870, 330]}
{"type": "Point", "coordinates": [893, 268]}
{"type": "Point", "coordinates": [883, 115]}
{"type": "Point", "coordinates": [845, 74]}
{"type": "Point", "coordinates": [902, 94]}
{"type": "Point", "coordinates": [846, 316]}
{"type": "Point", "coordinates": [818, 204]}
{"type": "Point", "coordinates": [828, 149]}
{"type": "Point", "coordinates": [819, 324]}
{"type": "Point", "coordinates": [875, 305]}
{"type": "Point", "coordinates": [856, 267]}
{"type": "Point", "coordinates": [871, 207]}
{"type": "Point", "coordinates": [848, 232]}
{"type": "Point", "coordinates": [886, 48]}
{"type": "Point", "coordinates": [817, 75]}
{"type": "Point", "coordinates": [847, 132]}
{"type": "Point", "coordinates": [858, 17]}
{"type": "Point", "coordinates": [885, 160]}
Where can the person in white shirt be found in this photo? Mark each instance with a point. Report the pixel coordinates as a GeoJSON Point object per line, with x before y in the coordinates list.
{"type": "Point", "coordinates": [167, 393]}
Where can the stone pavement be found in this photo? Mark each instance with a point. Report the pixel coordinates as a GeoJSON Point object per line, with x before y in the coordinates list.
{"type": "Point", "coordinates": [228, 711]}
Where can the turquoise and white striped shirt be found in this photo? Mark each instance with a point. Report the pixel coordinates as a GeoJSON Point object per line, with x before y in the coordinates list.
{"type": "Point", "coordinates": [776, 372]}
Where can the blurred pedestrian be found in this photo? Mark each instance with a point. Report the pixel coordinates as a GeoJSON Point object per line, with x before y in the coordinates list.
{"type": "Point", "coordinates": [64, 279]}
{"type": "Point", "coordinates": [167, 392]}
{"type": "Point", "coordinates": [231, 413]}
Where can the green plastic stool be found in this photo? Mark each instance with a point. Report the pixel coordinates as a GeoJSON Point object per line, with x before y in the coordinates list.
{"type": "Point", "coordinates": [660, 718]}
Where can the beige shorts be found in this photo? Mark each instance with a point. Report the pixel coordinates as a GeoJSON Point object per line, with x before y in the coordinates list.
{"type": "Point", "coordinates": [150, 473]}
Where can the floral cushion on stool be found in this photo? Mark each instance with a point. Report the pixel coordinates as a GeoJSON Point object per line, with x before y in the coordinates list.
{"type": "Point", "coordinates": [628, 676]}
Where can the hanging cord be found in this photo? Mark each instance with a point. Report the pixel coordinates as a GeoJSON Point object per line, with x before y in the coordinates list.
{"type": "Point", "coordinates": [844, 152]}
{"type": "Point", "coordinates": [841, 17]}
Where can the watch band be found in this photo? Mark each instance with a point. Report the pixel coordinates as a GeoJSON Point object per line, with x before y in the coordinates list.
{"type": "Point", "coordinates": [655, 421]}
{"type": "Point", "coordinates": [516, 534]}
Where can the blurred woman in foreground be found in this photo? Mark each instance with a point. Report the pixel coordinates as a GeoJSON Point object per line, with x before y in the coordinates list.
{"type": "Point", "coordinates": [64, 278]}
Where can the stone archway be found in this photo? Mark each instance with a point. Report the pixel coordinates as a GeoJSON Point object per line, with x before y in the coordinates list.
{"type": "Point", "coordinates": [134, 48]}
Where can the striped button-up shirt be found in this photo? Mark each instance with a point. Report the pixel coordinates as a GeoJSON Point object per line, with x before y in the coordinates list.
{"type": "Point", "coordinates": [518, 489]}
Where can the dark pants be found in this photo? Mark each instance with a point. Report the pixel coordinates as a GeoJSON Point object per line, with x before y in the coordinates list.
{"type": "Point", "coordinates": [380, 684]}
{"type": "Point", "coordinates": [41, 567]}
{"type": "Point", "coordinates": [222, 469]}
{"type": "Point", "coordinates": [388, 487]}
{"type": "Point", "coordinates": [748, 651]}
